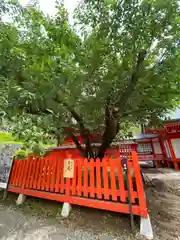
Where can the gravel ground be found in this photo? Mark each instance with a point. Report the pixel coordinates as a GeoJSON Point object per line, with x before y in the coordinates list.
{"type": "Point", "coordinates": [163, 195]}
{"type": "Point", "coordinates": [40, 219]}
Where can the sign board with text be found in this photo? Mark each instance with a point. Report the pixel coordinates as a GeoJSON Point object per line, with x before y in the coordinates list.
{"type": "Point", "coordinates": [68, 168]}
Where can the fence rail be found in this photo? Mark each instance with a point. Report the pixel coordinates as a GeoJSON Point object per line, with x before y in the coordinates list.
{"type": "Point", "coordinates": [98, 184]}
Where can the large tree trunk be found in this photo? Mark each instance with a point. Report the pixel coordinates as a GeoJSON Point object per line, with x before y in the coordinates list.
{"type": "Point", "coordinates": [110, 132]}
{"type": "Point", "coordinates": [111, 129]}
{"type": "Point", "coordinates": [108, 137]}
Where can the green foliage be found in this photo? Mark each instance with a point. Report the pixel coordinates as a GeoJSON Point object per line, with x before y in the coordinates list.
{"type": "Point", "coordinates": [20, 154]}
{"type": "Point", "coordinates": [128, 130]}
{"type": "Point", "coordinates": [124, 68]}
{"type": "Point", "coordinates": [6, 137]}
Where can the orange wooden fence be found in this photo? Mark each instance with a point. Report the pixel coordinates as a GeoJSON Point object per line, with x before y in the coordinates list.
{"type": "Point", "coordinates": [97, 184]}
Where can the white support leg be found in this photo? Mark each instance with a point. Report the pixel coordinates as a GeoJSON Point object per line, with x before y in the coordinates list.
{"type": "Point", "coordinates": [21, 198]}
{"type": "Point", "coordinates": [3, 186]}
{"type": "Point", "coordinates": [146, 228]}
{"type": "Point", "coordinates": [66, 209]}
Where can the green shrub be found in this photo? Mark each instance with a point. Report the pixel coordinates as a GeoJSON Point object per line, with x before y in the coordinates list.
{"type": "Point", "coordinates": [20, 154]}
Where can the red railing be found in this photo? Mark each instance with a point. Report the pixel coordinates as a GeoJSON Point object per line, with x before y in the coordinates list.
{"type": "Point", "coordinates": [97, 184]}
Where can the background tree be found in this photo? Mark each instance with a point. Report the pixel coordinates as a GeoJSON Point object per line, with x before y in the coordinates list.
{"type": "Point", "coordinates": [121, 66]}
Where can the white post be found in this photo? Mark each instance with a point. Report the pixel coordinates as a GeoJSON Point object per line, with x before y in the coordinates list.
{"type": "Point", "coordinates": [146, 228]}
{"type": "Point", "coordinates": [66, 209]}
{"type": "Point", "coordinates": [21, 198]}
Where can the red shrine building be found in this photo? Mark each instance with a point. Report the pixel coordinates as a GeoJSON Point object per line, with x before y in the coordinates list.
{"type": "Point", "coordinates": [166, 143]}
{"type": "Point", "coordinates": [158, 145]}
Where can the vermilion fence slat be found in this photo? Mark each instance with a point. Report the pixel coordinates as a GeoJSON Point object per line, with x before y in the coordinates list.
{"type": "Point", "coordinates": [29, 160]}
{"type": "Point", "coordinates": [79, 188]}
{"type": "Point", "coordinates": [25, 173]}
{"type": "Point", "coordinates": [36, 176]}
{"type": "Point", "coordinates": [29, 172]}
{"type": "Point", "coordinates": [53, 176]}
{"type": "Point", "coordinates": [21, 173]}
{"type": "Point", "coordinates": [41, 165]}
{"type": "Point", "coordinates": [67, 186]}
{"type": "Point", "coordinates": [113, 182]}
{"type": "Point", "coordinates": [130, 182]}
{"type": "Point", "coordinates": [121, 182]}
{"type": "Point", "coordinates": [105, 176]}
{"type": "Point", "coordinates": [32, 173]}
{"type": "Point", "coordinates": [44, 174]}
{"type": "Point", "coordinates": [74, 180]}
{"type": "Point", "coordinates": [57, 176]}
{"type": "Point", "coordinates": [92, 183]}
{"type": "Point", "coordinates": [85, 188]}
{"type": "Point", "coordinates": [49, 172]}
{"type": "Point", "coordinates": [62, 179]}
{"type": "Point", "coordinates": [98, 179]}
{"type": "Point", "coordinates": [139, 183]}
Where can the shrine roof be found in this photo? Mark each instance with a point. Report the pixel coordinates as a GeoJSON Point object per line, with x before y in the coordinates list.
{"type": "Point", "coordinates": [146, 136]}
{"type": "Point", "coordinates": [172, 122]}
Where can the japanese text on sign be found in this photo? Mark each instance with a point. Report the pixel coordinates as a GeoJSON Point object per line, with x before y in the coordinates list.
{"type": "Point", "coordinates": [68, 168]}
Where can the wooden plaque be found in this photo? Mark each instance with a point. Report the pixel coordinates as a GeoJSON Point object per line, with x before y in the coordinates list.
{"type": "Point", "coordinates": [68, 168]}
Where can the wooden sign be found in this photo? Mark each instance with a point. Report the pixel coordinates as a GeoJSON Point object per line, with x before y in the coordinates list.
{"type": "Point", "coordinates": [68, 168]}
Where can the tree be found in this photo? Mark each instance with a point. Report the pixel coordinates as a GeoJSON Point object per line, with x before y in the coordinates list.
{"type": "Point", "coordinates": [121, 66]}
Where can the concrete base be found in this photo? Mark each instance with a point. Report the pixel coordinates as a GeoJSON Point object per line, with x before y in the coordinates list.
{"type": "Point", "coordinates": [146, 228]}
{"type": "Point", "coordinates": [3, 185]}
{"type": "Point", "coordinates": [21, 199]}
{"type": "Point", "coordinates": [66, 209]}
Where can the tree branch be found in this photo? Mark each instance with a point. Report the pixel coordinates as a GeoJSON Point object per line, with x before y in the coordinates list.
{"type": "Point", "coordinates": [139, 110]}
{"type": "Point", "coordinates": [78, 145]}
{"type": "Point", "coordinates": [112, 128]}
{"type": "Point", "coordinates": [112, 116]}
{"type": "Point", "coordinates": [133, 82]}
{"type": "Point", "coordinates": [37, 112]}
{"type": "Point", "coordinates": [83, 131]}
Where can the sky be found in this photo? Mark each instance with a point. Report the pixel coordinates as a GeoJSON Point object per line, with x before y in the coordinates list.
{"type": "Point", "coordinates": [176, 114]}
{"type": "Point", "coordinates": [48, 7]}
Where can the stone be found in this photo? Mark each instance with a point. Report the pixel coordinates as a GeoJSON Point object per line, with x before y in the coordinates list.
{"type": "Point", "coordinates": [66, 209]}
{"type": "Point", "coordinates": [21, 198]}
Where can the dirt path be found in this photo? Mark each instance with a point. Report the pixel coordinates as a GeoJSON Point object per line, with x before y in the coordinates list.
{"type": "Point", "coordinates": [163, 194]}
{"type": "Point", "coordinates": [40, 219]}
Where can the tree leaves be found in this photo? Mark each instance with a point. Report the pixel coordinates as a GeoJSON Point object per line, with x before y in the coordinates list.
{"type": "Point", "coordinates": [125, 59]}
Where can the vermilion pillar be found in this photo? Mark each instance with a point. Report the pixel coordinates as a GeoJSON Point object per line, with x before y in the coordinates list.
{"type": "Point", "coordinates": [173, 154]}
